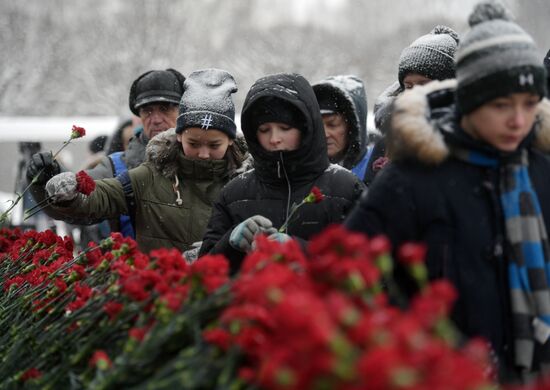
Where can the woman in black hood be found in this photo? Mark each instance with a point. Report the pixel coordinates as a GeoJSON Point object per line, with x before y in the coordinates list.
{"type": "Point", "coordinates": [284, 130]}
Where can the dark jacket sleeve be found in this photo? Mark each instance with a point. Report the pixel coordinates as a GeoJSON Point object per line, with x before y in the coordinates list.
{"type": "Point", "coordinates": [218, 231]}
{"type": "Point", "coordinates": [386, 208]}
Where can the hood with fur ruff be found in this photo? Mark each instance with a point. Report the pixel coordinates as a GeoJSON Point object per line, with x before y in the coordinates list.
{"type": "Point", "coordinates": [418, 126]}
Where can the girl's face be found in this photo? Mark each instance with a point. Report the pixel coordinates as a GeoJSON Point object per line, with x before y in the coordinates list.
{"type": "Point", "coordinates": [203, 144]}
{"type": "Point", "coordinates": [276, 136]}
{"type": "Point", "coordinates": [503, 122]}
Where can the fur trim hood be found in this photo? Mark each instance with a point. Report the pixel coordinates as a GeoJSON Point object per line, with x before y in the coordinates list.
{"type": "Point", "coordinates": [423, 114]}
{"type": "Point", "coordinates": [162, 151]}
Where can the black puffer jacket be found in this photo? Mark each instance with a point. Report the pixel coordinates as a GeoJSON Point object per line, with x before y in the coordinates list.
{"type": "Point", "coordinates": [427, 195]}
{"type": "Point", "coordinates": [282, 178]}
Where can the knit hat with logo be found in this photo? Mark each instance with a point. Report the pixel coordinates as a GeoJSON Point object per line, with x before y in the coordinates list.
{"type": "Point", "coordinates": [207, 102]}
{"type": "Point", "coordinates": [495, 58]}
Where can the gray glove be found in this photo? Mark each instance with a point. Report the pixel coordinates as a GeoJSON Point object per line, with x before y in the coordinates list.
{"type": "Point", "coordinates": [192, 254]}
{"type": "Point", "coordinates": [62, 187]}
{"type": "Point", "coordinates": [243, 234]}
{"type": "Point", "coordinates": [279, 237]}
{"type": "Point", "coordinates": [39, 161]}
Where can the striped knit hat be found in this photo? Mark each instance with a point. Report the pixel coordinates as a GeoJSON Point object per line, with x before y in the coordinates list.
{"type": "Point", "coordinates": [495, 58]}
{"type": "Point", "coordinates": [431, 55]}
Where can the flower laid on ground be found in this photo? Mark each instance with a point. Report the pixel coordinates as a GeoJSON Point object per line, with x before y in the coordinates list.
{"type": "Point", "coordinates": [327, 323]}
{"type": "Point", "coordinates": [112, 317]}
{"type": "Point", "coordinates": [76, 132]}
{"type": "Point", "coordinates": [314, 196]}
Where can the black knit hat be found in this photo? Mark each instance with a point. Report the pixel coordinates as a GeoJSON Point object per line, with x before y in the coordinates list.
{"type": "Point", "coordinates": [431, 55]}
{"type": "Point", "coordinates": [496, 57]}
{"type": "Point", "coordinates": [273, 109]}
{"type": "Point", "coordinates": [156, 86]}
{"type": "Point", "coordinates": [207, 102]}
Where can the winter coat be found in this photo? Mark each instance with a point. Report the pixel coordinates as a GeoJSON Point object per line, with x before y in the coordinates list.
{"type": "Point", "coordinates": [281, 179]}
{"type": "Point", "coordinates": [428, 195]}
{"type": "Point", "coordinates": [351, 93]}
{"type": "Point", "coordinates": [173, 196]}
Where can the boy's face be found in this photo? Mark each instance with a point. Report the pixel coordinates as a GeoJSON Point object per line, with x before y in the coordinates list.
{"type": "Point", "coordinates": [277, 136]}
{"type": "Point", "coordinates": [503, 122]}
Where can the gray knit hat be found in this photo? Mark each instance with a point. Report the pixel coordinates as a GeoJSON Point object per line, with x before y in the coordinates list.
{"type": "Point", "coordinates": [431, 55]}
{"type": "Point", "coordinates": [207, 102]}
{"type": "Point", "coordinates": [495, 58]}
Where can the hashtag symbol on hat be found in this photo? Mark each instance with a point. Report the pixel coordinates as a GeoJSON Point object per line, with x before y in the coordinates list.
{"type": "Point", "coordinates": [206, 121]}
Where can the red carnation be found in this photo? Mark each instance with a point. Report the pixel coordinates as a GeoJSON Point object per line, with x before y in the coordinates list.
{"type": "Point", "coordinates": [380, 245]}
{"type": "Point", "coordinates": [84, 183]}
{"type": "Point", "coordinates": [315, 196]}
{"type": "Point", "coordinates": [112, 309]}
{"type": "Point", "coordinates": [77, 132]}
{"type": "Point", "coordinates": [100, 359]}
{"type": "Point", "coordinates": [412, 253]}
{"type": "Point", "coordinates": [31, 373]}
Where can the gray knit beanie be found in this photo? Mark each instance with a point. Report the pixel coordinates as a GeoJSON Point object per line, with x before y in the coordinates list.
{"type": "Point", "coordinates": [431, 55]}
{"type": "Point", "coordinates": [495, 58]}
{"type": "Point", "coordinates": [207, 102]}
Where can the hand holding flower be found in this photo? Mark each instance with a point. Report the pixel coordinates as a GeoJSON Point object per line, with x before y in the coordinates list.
{"type": "Point", "coordinates": [44, 162]}
{"type": "Point", "coordinates": [64, 188]}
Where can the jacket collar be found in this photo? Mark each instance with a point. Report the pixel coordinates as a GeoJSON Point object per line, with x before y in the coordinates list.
{"type": "Point", "coordinates": [165, 153]}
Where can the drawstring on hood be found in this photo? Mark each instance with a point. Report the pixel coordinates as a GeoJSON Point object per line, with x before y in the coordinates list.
{"type": "Point", "coordinates": [287, 211]}
{"type": "Point", "coordinates": [176, 186]}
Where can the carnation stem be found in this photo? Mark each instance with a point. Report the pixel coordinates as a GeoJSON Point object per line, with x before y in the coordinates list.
{"type": "Point", "coordinates": [6, 213]}
{"type": "Point", "coordinates": [37, 206]}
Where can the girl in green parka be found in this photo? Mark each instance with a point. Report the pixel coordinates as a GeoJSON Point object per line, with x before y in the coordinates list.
{"type": "Point", "coordinates": [170, 195]}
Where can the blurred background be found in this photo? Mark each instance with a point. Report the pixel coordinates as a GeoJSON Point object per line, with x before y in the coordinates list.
{"type": "Point", "coordinates": [70, 62]}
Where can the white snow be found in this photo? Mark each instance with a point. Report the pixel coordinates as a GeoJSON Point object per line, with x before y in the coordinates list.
{"type": "Point", "coordinates": [42, 129]}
